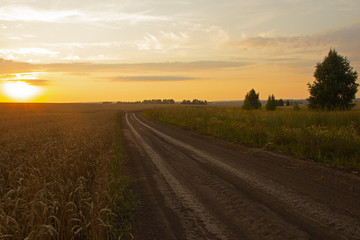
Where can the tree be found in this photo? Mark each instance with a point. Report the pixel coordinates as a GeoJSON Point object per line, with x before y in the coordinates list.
{"type": "Point", "coordinates": [251, 100]}
{"type": "Point", "coordinates": [271, 103]}
{"type": "Point", "coordinates": [335, 84]}
{"type": "Point", "coordinates": [280, 102]}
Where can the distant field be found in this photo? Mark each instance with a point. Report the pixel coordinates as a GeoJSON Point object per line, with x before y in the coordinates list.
{"type": "Point", "coordinates": [329, 137]}
{"type": "Point", "coordinates": [61, 172]}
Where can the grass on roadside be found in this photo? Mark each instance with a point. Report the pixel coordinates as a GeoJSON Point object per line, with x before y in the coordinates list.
{"type": "Point", "coordinates": [124, 202]}
{"type": "Point", "coordinates": [329, 137]}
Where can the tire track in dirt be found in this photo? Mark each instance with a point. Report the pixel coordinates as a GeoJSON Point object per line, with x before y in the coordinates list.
{"type": "Point", "coordinates": [206, 221]}
{"type": "Point", "coordinates": [231, 206]}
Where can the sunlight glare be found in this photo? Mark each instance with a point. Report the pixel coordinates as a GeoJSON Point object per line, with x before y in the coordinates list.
{"type": "Point", "coordinates": [19, 90]}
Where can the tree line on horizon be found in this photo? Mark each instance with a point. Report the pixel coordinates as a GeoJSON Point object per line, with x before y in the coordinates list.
{"type": "Point", "coordinates": [334, 87]}
{"type": "Point", "coordinates": [163, 101]}
{"type": "Point", "coordinates": [194, 102]}
{"type": "Point", "coordinates": [159, 101]}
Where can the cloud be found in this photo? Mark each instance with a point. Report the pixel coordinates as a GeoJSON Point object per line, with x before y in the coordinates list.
{"type": "Point", "coordinates": [28, 52]}
{"type": "Point", "coordinates": [135, 67]}
{"type": "Point", "coordinates": [346, 39]}
{"type": "Point", "coordinates": [22, 13]}
{"type": "Point", "coordinates": [84, 45]}
{"type": "Point", "coordinates": [28, 77]}
{"type": "Point", "coordinates": [8, 66]}
{"type": "Point", "coordinates": [184, 36]}
{"type": "Point", "coordinates": [278, 44]}
{"type": "Point", "coordinates": [37, 82]}
{"type": "Point", "coordinates": [34, 82]}
{"type": "Point", "coordinates": [150, 42]}
{"type": "Point", "coordinates": [14, 13]}
{"type": "Point", "coordinates": [151, 78]}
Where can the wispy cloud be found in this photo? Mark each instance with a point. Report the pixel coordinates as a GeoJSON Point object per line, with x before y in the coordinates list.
{"type": "Point", "coordinates": [25, 13]}
{"type": "Point", "coordinates": [28, 14]}
{"type": "Point", "coordinates": [34, 82]}
{"type": "Point", "coordinates": [11, 53]}
{"type": "Point", "coordinates": [84, 45]}
{"type": "Point", "coordinates": [345, 38]}
{"type": "Point", "coordinates": [135, 67]}
{"type": "Point", "coordinates": [37, 82]}
{"type": "Point", "coordinates": [8, 66]}
{"type": "Point", "coordinates": [31, 78]}
{"type": "Point", "coordinates": [185, 36]}
{"type": "Point", "coordinates": [151, 78]}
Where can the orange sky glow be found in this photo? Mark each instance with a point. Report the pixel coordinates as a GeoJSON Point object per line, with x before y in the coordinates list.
{"type": "Point", "coordinates": [77, 51]}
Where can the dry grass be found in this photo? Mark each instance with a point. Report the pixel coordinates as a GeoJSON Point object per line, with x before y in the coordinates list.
{"type": "Point", "coordinates": [57, 176]}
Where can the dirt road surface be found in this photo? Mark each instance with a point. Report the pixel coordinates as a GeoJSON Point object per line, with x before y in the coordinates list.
{"type": "Point", "coordinates": [193, 187]}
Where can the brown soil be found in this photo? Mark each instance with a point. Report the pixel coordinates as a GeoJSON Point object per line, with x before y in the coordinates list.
{"type": "Point", "coordinates": [192, 187]}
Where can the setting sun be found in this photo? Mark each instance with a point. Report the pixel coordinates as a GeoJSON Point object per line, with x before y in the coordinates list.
{"type": "Point", "coordinates": [19, 90]}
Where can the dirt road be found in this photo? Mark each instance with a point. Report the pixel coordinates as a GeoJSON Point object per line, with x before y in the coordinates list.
{"type": "Point", "coordinates": [194, 187]}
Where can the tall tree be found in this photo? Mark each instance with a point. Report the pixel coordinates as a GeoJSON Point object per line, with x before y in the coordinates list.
{"type": "Point", "coordinates": [251, 100]}
{"type": "Point", "coordinates": [335, 84]}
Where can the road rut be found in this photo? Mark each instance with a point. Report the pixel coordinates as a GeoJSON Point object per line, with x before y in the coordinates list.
{"type": "Point", "coordinates": [193, 187]}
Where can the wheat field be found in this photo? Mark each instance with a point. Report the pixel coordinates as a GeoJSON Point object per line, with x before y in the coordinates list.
{"type": "Point", "coordinates": [60, 175]}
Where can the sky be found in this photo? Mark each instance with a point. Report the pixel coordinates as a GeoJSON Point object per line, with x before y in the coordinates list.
{"type": "Point", "coordinates": [125, 50]}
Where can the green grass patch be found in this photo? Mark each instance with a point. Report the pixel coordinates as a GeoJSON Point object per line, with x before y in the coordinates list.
{"type": "Point", "coordinates": [124, 201]}
{"type": "Point", "coordinates": [328, 137]}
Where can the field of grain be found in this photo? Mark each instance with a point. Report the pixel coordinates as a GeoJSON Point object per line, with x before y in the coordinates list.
{"type": "Point", "coordinates": [61, 172]}
{"type": "Point", "coordinates": [329, 137]}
